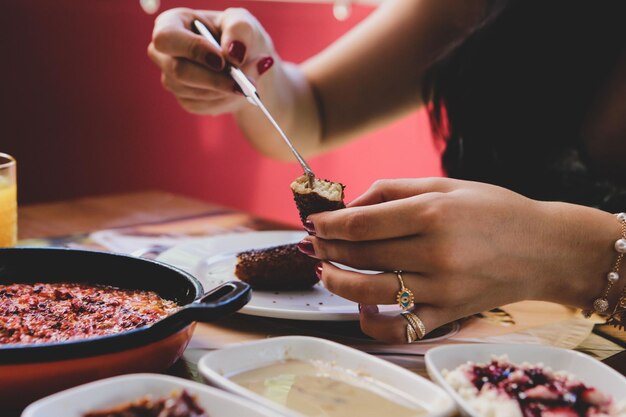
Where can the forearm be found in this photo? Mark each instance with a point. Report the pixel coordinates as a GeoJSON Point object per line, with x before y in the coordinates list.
{"type": "Point", "coordinates": [373, 75]}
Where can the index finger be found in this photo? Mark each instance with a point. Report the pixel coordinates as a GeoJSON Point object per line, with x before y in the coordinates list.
{"type": "Point", "coordinates": [239, 35]}
{"type": "Point", "coordinates": [395, 189]}
{"type": "Point", "coordinates": [390, 219]}
{"type": "Point", "coordinates": [173, 36]}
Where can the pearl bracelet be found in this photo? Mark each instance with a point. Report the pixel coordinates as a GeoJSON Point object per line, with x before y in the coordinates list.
{"type": "Point", "coordinates": [601, 304]}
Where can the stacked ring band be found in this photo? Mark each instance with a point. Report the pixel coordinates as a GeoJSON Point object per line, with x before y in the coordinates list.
{"type": "Point", "coordinates": [416, 323]}
{"type": "Point", "coordinates": [411, 334]}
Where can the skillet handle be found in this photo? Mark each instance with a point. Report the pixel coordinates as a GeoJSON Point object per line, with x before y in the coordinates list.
{"type": "Point", "coordinates": [224, 300]}
{"type": "Point", "coordinates": [217, 303]}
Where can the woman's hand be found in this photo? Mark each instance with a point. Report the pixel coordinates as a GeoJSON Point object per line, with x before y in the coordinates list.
{"type": "Point", "coordinates": [464, 247]}
{"type": "Point", "coordinates": [193, 69]}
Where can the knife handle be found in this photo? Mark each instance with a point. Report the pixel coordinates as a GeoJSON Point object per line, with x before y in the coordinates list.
{"type": "Point", "coordinates": [249, 90]}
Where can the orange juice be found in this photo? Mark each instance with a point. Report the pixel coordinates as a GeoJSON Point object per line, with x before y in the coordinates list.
{"type": "Point", "coordinates": [8, 213]}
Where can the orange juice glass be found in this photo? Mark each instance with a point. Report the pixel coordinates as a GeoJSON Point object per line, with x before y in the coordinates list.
{"type": "Point", "coordinates": [8, 201]}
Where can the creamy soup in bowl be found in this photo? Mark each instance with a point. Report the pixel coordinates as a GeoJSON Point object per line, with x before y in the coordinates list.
{"type": "Point", "coordinates": [315, 388]}
{"type": "Point", "coordinates": [298, 376]}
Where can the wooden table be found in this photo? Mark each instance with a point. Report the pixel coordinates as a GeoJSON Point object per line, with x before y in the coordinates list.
{"type": "Point", "coordinates": [114, 211]}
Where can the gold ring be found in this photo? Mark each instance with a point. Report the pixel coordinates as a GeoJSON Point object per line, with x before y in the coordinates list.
{"type": "Point", "coordinates": [404, 297]}
{"type": "Point", "coordinates": [411, 334]}
{"type": "Point", "coordinates": [416, 323]}
{"type": "Point", "coordinates": [411, 331]}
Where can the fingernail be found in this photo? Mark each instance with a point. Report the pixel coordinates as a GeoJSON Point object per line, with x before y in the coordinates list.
{"type": "Point", "coordinates": [318, 270]}
{"type": "Point", "coordinates": [359, 306]}
{"type": "Point", "coordinates": [214, 61]}
{"type": "Point", "coordinates": [306, 247]}
{"type": "Point", "coordinates": [264, 64]}
{"type": "Point", "coordinates": [237, 51]}
{"type": "Point", "coordinates": [309, 227]}
{"type": "Point", "coordinates": [238, 89]}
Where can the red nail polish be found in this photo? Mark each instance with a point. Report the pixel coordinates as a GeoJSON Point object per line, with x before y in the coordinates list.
{"type": "Point", "coordinates": [214, 61]}
{"type": "Point", "coordinates": [309, 227]}
{"type": "Point", "coordinates": [237, 51]}
{"type": "Point", "coordinates": [318, 270]}
{"type": "Point", "coordinates": [306, 247]}
{"type": "Point", "coordinates": [264, 64]}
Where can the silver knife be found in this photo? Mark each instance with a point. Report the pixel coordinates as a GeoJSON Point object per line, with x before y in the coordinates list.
{"type": "Point", "coordinates": [249, 90]}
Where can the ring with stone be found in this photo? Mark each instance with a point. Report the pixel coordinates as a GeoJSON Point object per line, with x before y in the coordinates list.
{"type": "Point", "coordinates": [404, 298]}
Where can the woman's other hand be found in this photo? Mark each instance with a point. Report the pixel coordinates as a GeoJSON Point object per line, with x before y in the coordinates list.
{"type": "Point", "coordinates": [193, 69]}
{"type": "Point", "coordinates": [464, 247]}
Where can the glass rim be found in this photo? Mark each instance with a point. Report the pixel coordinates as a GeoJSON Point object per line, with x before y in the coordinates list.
{"type": "Point", "coordinates": [6, 160]}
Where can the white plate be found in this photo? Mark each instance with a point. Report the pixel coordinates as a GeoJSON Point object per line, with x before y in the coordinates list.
{"type": "Point", "coordinates": [212, 261]}
{"type": "Point", "coordinates": [236, 358]}
{"type": "Point", "coordinates": [585, 368]}
{"type": "Point", "coordinates": [108, 393]}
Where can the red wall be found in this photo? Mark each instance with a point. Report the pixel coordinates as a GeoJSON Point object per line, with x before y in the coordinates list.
{"type": "Point", "coordinates": [83, 111]}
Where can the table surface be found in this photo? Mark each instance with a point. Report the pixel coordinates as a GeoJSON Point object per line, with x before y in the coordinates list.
{"type": "Point", "coordinates": [123, 210]}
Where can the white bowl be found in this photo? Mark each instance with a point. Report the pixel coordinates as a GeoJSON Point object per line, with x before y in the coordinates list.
{"type": "Point", "coordinates": [237, 358]}
{"type": "Point", "coordinates": [108, 393]}
{"type": "Point", "coordinates": [590, 371]}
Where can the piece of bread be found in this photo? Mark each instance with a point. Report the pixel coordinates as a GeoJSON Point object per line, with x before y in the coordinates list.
{"type": "Point", "coordinates": [323, 196]}
{"type": "Point", "coordinates": [276, 268]}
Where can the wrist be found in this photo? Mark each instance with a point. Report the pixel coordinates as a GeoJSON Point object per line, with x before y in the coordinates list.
{"type": "Point", "coordinates": [583, 253]}
{"type": "Point", "coordinates": [287, 95]}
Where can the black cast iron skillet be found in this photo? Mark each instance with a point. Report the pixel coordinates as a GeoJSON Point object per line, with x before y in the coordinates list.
{"type": "Point", "coordinates": [49, 265]}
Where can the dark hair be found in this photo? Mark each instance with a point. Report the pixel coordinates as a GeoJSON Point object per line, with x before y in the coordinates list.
{"type": "Point", "coordinates": [517, 89]}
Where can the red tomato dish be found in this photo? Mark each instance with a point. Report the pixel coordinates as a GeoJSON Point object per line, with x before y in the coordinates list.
{"type": "Point", "coordinates": [43, 312]}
